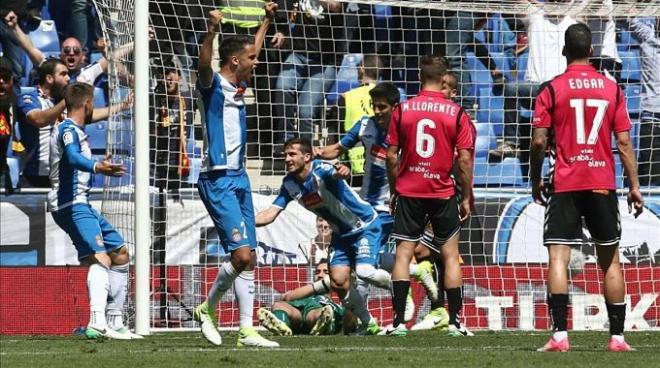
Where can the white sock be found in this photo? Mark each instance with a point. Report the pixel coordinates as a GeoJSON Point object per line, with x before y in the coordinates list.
{"type": "Point", "coordinates": [362, 288]}
{"type": "Point", "coordinates": [559, 335]}
{"type": "Point", "coordinates": [244, 291]}
{"type": "Point", "coordinates": [375, 276]}
{"type": "Point", "coordinates": [98, 285]}
{"type": "Point", "coordinates": [353, 302]}
{"type": "Point", "coordinates": [223, 281]}
{"type": "Point", "coordinates": [118, 277]}
{"type": "Point", "coordinates": [618, 338]}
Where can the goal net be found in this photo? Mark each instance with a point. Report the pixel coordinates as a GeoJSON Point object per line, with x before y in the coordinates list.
{"type": "Point", "coordinates": [500, 52]}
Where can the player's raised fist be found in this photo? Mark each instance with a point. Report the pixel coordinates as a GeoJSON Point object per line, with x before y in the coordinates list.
{"type": "Point", "coordinates": [215, 18]}
{"type": "Point", "coordinates": [271, 9]}
{"type": "Point", "coordinates": [11, 19]}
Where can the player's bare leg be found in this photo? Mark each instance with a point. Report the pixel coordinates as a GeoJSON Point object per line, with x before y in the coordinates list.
{"type": "Point", "coordinates": [615, 290]}
{"type": "Point", "coordinates": [558, 258]}
{"type": "Point", "coordinates": [340, 277]}
{"type": "Point", "coordinates": [453, 282]}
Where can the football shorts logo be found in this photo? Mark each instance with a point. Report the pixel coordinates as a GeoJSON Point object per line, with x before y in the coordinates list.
{"type": "Point", "coordinates": [99, 240]}
{"type": "Point", "coordinates": [236, 235]}
{"type": "Point", "coordinates": [67, 138]}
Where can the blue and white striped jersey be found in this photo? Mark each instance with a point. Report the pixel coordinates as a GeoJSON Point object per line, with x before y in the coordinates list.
{"type": "Point", "coordinates": [36, 140]}
{"type": "Point", "coordinates": [224, 125]}
{"type": "Point", "coordinates": [375, 187]}
{"type": "Point", "coordinates": [328, 197]}
{"type": "Point", "coordinates": [71, 165]}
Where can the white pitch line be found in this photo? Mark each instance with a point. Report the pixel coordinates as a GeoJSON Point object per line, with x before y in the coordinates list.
{"type": "Point", "coordinates": [315, 349]}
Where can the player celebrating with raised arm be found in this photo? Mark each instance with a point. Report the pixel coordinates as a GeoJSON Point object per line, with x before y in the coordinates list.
{"type": "Point", "coordinates": [320, 187]}
{"type": "Point", "coordinates": [98, 244]}
{"type": "Point", "coordinates": [582, 108]}
{"type": "Point", "coordinates": [426, 131]}
{"type": "Point", "coordinates": [223, 184]}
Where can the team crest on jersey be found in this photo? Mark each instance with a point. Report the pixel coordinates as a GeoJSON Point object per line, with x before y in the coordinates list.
{"type": "Point", "coordinates": [99, 240]}
{"type": "Point", "coordinates": [67, 138]}
{"type": "Point", "coordinates": [236, 235]}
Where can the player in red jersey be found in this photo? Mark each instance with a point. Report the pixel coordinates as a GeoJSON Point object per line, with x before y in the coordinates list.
{"type": "Point", "coordinates": [582, 109]}
{"type": "Point", "coordinates": [423, 135]}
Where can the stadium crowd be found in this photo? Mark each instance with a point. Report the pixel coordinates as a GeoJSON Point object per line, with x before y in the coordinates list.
{"type": "Point", "coordinates": [306, 84]}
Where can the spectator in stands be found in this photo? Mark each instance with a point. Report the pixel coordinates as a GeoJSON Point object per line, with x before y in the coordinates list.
{"type": "Point", "coordinates": [38, 111]}
{"type": "Point", "coordinates": [172, 116]}
{"type": "Point", "coordinates": [460, 38]}
{"type": "Point", "coordinates": [647, 32]}
{"type": "Point", "coordinates": [605, 55]}
{"type": "Point", "coordinates": [7, 111]}
{"type": "Point", "coordinates": [10, 47]}
{"type": "Point", "coordinates": [317, 47]}
{"type": "Point", "coordinates": [72, 55]}
{"type": "Point", "coordinates": [82, 15]}
{"type": "Point", "coordinates": [545, 61]}
{"type": "Point", "coordinates": [319, 248]}
{"type": "Point", "coordinates": [356, 103]}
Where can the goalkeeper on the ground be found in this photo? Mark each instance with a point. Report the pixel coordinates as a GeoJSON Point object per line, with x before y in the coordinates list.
{"type": "Point", "coordinates": [315, 314]}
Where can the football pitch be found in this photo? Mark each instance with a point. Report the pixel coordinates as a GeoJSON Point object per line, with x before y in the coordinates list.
{"type": "Point", "coordinates": [421, 349]}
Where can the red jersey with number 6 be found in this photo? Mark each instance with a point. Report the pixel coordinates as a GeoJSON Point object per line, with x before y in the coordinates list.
{"type": "Point", "coordinates": [583, 108]}
{"type": "Point", "coordinates": [428, 129]}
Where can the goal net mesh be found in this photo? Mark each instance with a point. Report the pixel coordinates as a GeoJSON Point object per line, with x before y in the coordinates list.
{"type": "Point", "coordinates": [500, 52]}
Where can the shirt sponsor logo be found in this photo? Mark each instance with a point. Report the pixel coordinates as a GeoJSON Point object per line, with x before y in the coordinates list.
{"type": "Point", "coordinates": [378, 152]}
{"type": "Point", "coordinates": [363, 249]}
{"type": "Point", "coordinates": [311, 200]}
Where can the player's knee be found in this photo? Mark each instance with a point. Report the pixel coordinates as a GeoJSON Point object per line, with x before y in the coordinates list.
{"type": "Point", "coordinates": [120, 256]}
{"type": "Point", "coordinates": [243, 259]}
{"type": "Point", "coordinates": [279, 305]}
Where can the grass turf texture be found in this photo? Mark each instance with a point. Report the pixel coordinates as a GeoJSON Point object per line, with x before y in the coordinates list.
{"type": "Point", "coordinates": [486, 349]}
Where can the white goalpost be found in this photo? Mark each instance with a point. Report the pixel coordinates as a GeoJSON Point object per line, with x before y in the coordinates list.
{"type": "Point", "coordinates": [492, 47]}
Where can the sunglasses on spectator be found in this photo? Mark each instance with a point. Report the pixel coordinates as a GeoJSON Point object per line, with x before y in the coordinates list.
{"type": "Point", "coordinates": [76, 50]}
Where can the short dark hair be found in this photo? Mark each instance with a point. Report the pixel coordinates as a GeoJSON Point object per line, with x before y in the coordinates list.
{"type": "Point", "coordinates": [387, 91]}
{"type": "Point", "coordinates": [6, 74]}
{"type": "Point", "coordinates": [48, 68]}
{"type": "Point", "coordinates": [75, 94]}
{"type": "Point", "coordinates": [432, 68]}
{"type": "Point", "coordinates": [322, 260]}
{"type": "Point", "coordinates": [372, 65]}
{"type": "Point", "coordinates": [577, 41]}
{"type": "Point", "coordinates": [231, 45]}
{"type": "Point", "coordinates": [304, 143]}
{"type": "Point", "coordinates": [453, 77]}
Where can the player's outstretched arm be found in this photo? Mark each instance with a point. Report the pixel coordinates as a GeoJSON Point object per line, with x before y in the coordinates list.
{"type": "Point", "coordinates": [267, 216]}
{"type": "Point", "coordinates": [42, 118]}
{"type": "Point", "coordinates": [206, 50]}
{"type": "Point", "coordinates": [627, 155]}
{"type": "Point", "coordinates": [536, 157]}
{"type": "Point", "coordinates": [465, 173]}
{"type": "Point", "coordinates": [35, 55]}
{"type": "Point", "coordinates": [330, 152]}
{"type": "Point", "coordinates": [319, 287]}
{"type": "Point", "coordinates": [271, 10]}
{"type": "Point", "coordinates": [392, 166]}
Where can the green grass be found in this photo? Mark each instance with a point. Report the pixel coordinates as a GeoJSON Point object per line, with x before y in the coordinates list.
{"type": "Point", "coordinates": [423, 349]}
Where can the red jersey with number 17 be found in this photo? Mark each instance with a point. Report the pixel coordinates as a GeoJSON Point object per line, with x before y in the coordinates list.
{"type": "Point", "coordinates": [428, 129]}
{"type": "Point", "coordinates": [583, 108]}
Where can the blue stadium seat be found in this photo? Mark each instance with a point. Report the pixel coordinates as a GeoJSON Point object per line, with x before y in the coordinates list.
{"type": "Point", "coordinates": [100, 99]}
{"type": "Point", "coordinates": [45, 37]}
{"type": "Point", "coordinates": [98, 136]}
{"type": "Point", "coordinates": [347, 77]}
{"type": "Point", "coordinates": [479, 74]}
{"type": "Point", "coordinates": [627, 41]}
{"type": "Point", "coordinates": [491, 109]}
{"type": "Point", "coordinates": [633, 92]}
{"type": "Point", "coordinates": [522, 65]}
{"type": "Point", "coordinates": [505, 173]}
{"type": "Point", "coordinates": [631, 68]}
{"type": "Point", "coordinates": [485, 139]}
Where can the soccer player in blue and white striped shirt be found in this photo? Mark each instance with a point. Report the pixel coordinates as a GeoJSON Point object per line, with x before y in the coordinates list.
{"type": "Point", "coordinates": [98, 244]}
{"type": "Point", "coordinates": [223, 184]}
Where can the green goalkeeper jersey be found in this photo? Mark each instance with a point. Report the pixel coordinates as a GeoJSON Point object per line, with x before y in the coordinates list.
{"type": "Point", "coordinates": [306, 305]}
